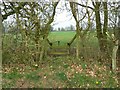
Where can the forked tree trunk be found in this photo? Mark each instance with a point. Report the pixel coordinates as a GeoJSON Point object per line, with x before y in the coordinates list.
{"type": "Point", "coordinates": [44, 42]}
{"type": "Point", "coordinates": [98, 26]}
{"type": "Point", "coordinates": [47, 29]}
{"type": "Point", "coordinates": [74, 12]}
{"type": "Point", "coordinates": [101, 34]}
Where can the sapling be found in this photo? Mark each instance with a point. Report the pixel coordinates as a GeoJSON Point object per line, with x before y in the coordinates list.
{"type": "Point", "coordinates": [114, 51]}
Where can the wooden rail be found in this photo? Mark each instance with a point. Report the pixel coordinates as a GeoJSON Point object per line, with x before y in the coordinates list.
{"type": "Point", "coordinates": [49, 42]}
{"type": "Point", "coordinates": [69, 44]}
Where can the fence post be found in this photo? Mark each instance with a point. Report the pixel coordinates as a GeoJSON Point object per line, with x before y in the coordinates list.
{"type": "Point", "coordinates": [58, 43]}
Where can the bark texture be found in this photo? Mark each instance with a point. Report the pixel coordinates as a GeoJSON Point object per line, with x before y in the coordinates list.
{"type": "Point", "coordinates": [101, 32]}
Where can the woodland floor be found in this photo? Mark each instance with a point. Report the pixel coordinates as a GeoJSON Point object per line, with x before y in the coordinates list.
{"type": "Point", "coordinates": [59, 72]}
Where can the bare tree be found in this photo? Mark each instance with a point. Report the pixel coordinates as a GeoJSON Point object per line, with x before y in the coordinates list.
{"type": "Point", "coordinates": [115, 36]}
{"type": "Point", "coordinates": [101, 33]}
{"type": "Point", "coordinates": [79, 35]}
{"type": "Point", "coordinates": [33, 16]}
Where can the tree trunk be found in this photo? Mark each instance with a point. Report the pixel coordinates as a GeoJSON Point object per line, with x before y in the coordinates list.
{"type": "Point", "coordinates": [105, 29]}
{"type": "Point", "coordinates": [43, 51]}
{"type": "Point", "coordinates": [47, 29]}
{"type": "Point", "coordinates": [98, 26]}
{"type": "Point", "coordinates": [1, 29]}
{"type": "Point", "coordinates": [78, 42]}
{"type": "Point", "coordinates": [114, 53]}
{"type": "Point", "coordinates": [118, 60]}
{"type": "Point", "coordinates": [118, 38]}
{"type": "Point", "coordinates": [102, 37]}
{"type": "Point", "coordinates": [118, 51]}
{"type": "Point", "coordinates": [44, 42]}
{"type": "Point", "coordinates": [37, 44]}
{"type": "Point", "coordinates": [74, 12]}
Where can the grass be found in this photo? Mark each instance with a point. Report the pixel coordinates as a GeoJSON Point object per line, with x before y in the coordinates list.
{"type": "Point", "coordinates": [60, 71]}
{"type": "Point", "coordinates": [64, 37]}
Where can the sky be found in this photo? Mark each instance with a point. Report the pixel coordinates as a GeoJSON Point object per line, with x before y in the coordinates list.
{"type": "Point", "coordinates": [64, 18]}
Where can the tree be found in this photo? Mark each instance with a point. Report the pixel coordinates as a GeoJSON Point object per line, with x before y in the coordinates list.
{"type": "Point", "coordinates": [118, 34]}
{"type": "Point", "coordinates": [1, 29]}
{"type": "Point", "coordinates": [79, 35]}
{"type": "Point", "coordinates": [59, 29]}
{"type": "Point", "coordinates": [71, 28]}
{"type": "Point", "coordinates": [33, 16]}
{"type": "Point", "coordinates": [101, 28]}
{"type": "Point", "coordinates": [45, 12]}
{"type": "Point", "coordinates": [115, 36]}
{"type": "Point", "coordinates": [9, 8]}
{"type": "Point", "coordinates": [101, 33]}
{"type": "Point", "coordinates": [62, 29]}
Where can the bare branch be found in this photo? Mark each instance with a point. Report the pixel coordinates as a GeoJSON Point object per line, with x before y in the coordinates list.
{"type": "Point", "coordinates": [83, 5]}
{"type": "Point", "coordinates": [12, 11]}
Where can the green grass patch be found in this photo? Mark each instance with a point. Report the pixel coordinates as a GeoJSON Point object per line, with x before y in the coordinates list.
{"type": "Point", "coordinates": [64, 37]}
{"type": "Point", "coordinates": [65, 65]}
{"type": "Point", "coordinates": [12, 75]}
{"type": "Point", "coordinates": [81, 80]}
{"type": "Point", "coordinates": [62, 76]}
{"type": "Point", "coordinates": [33, 76]}
{"type": "Point", "coordinates": [60, 72]}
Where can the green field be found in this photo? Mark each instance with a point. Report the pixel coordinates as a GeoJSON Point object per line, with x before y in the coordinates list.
{"type": "Point", "coordinates": [65, 36]}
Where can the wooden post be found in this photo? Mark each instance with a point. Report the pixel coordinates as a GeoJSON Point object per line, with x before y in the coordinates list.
{"type": "Point", "coordinates": [69, 44]}
{"type": "Point", "coordinates": [58, 43]}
